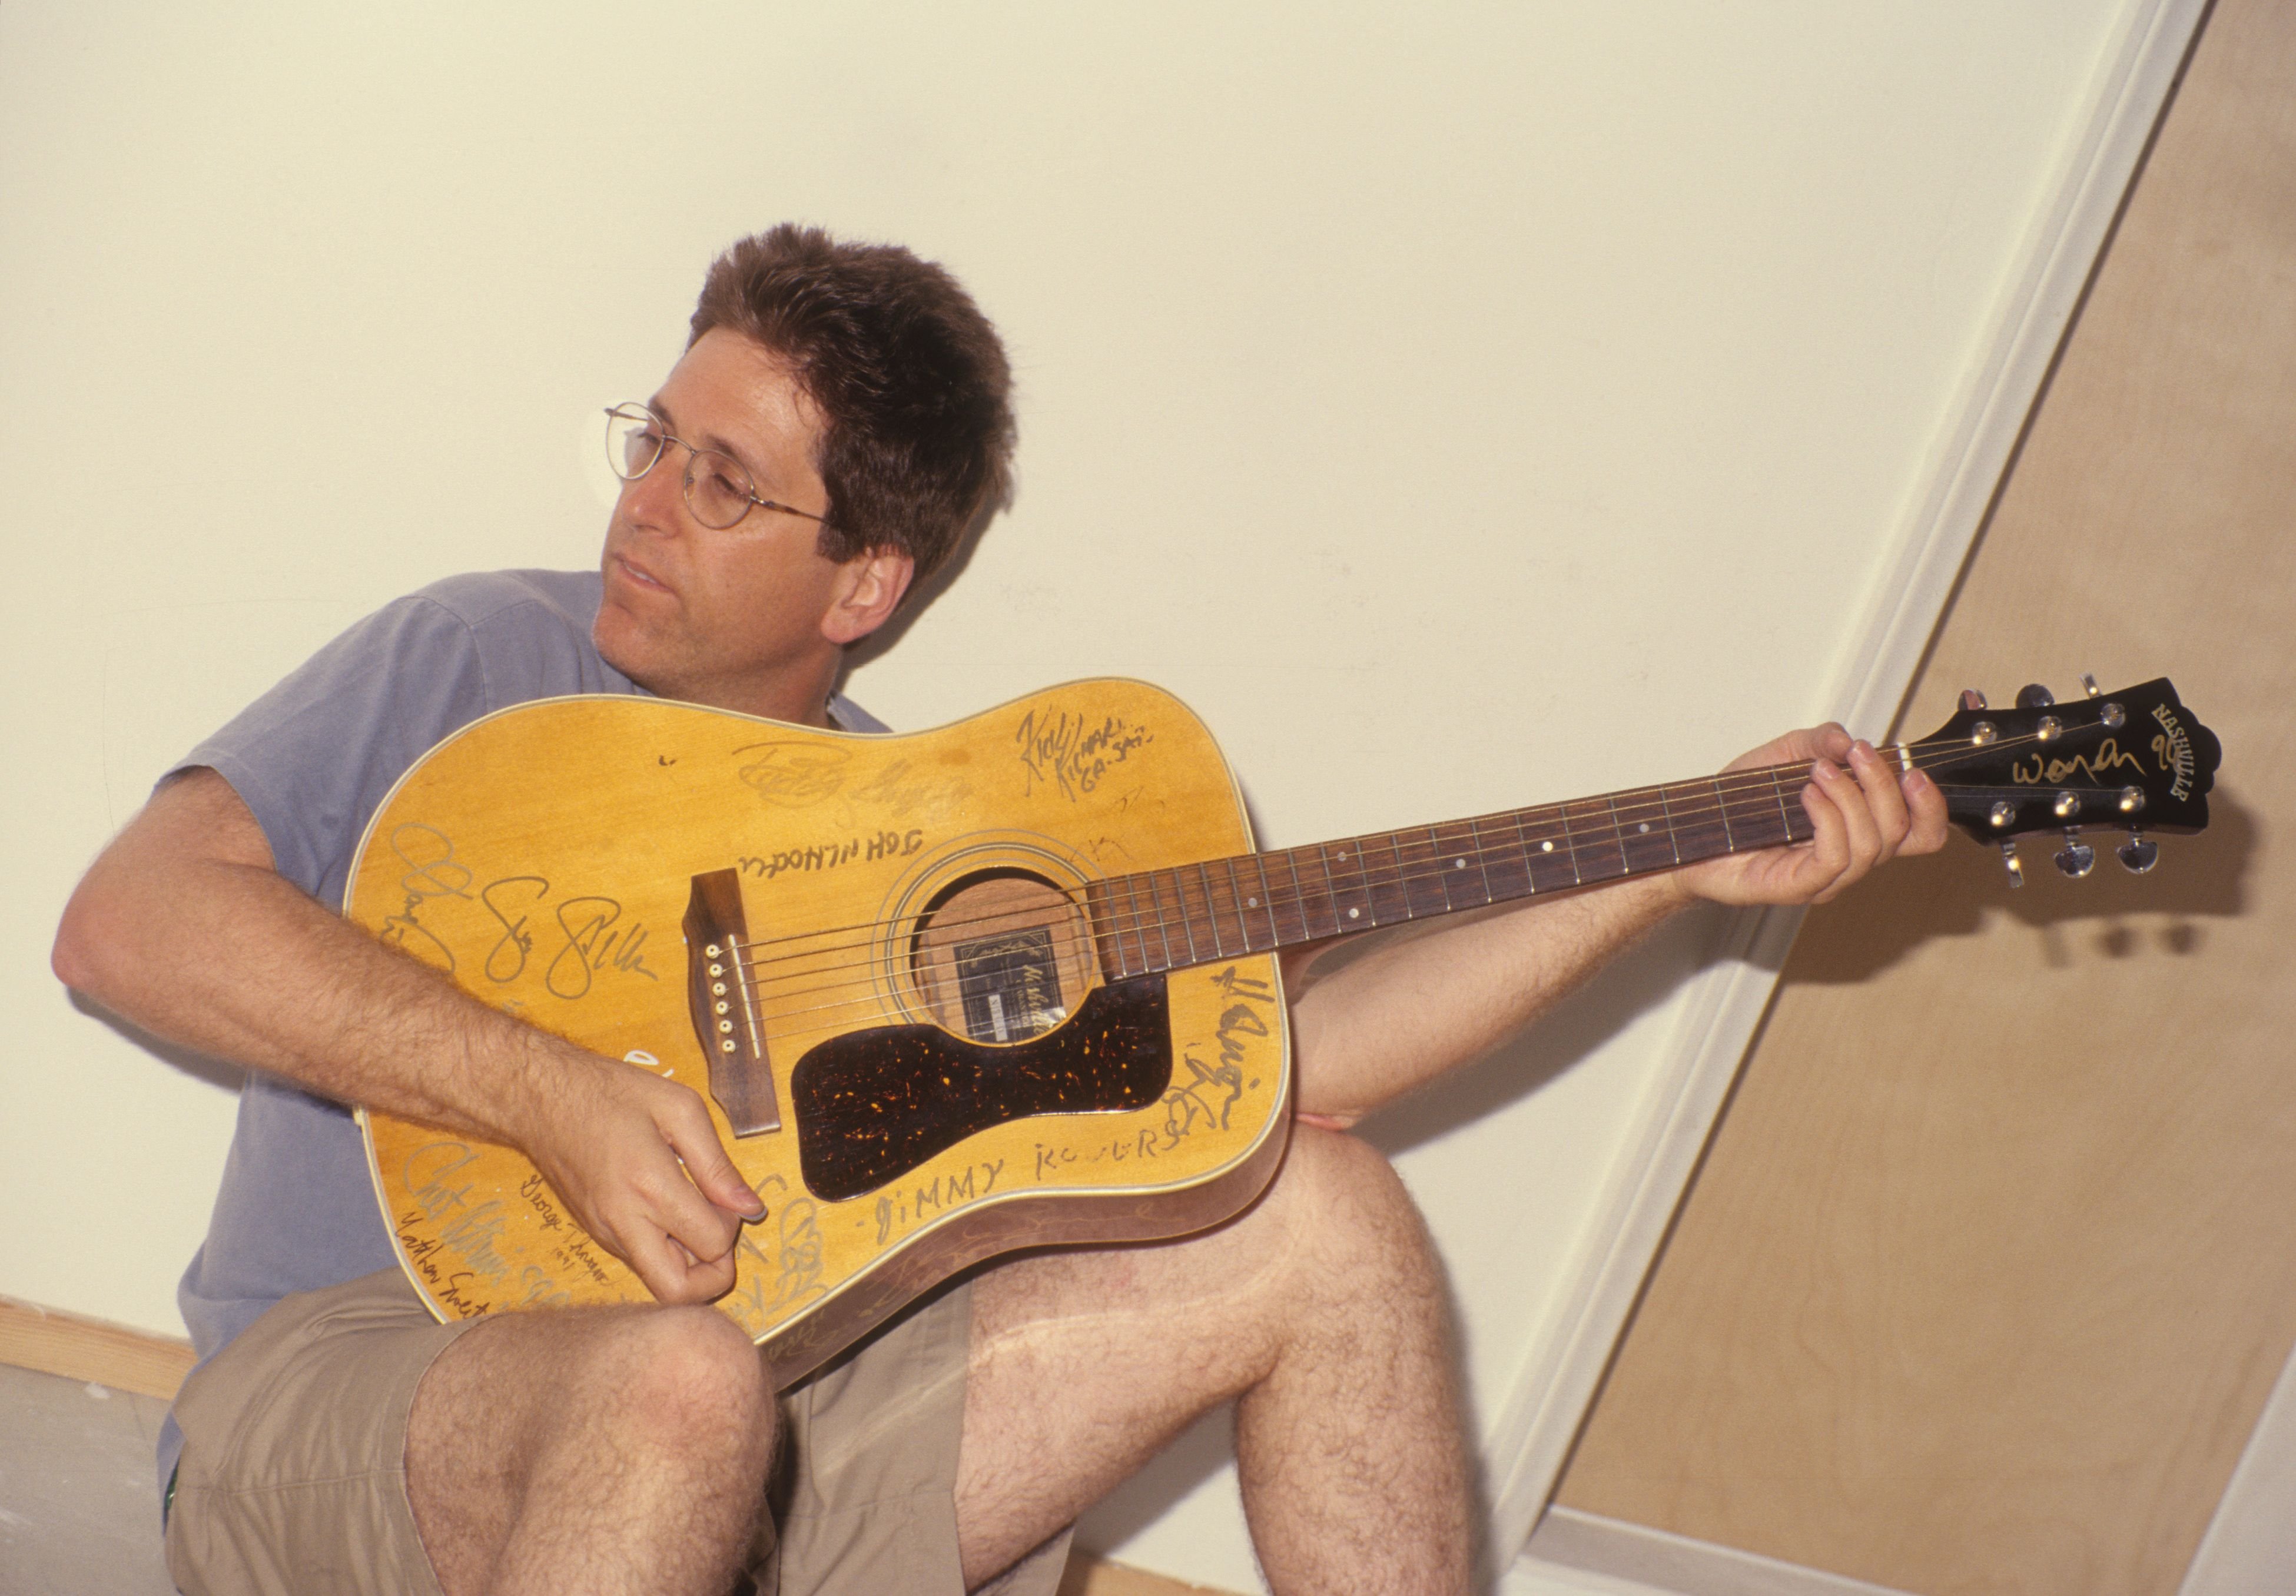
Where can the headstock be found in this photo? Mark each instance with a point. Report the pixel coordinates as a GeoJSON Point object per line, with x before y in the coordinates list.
{"type": "Point", "coordinates": [2133, 760]}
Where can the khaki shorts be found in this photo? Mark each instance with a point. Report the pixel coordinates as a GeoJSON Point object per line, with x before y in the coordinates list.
{"type": "Point", "coordinates": [294, 1478]}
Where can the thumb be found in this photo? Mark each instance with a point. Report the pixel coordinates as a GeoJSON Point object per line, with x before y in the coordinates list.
{"type": "Point", "coordinates": [694, 1140]}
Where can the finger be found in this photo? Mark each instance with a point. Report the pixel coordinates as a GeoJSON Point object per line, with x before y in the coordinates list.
{"type": "Point", "coordinates": [700, 1226]}
{"type": "Point", "coordinates": [1820, 864]}
{"type": "Point", "coordinates": [1925, 804]}
{"type": "Point", "coordinates": [1831, 741]}
{"type": "Point", "coordinates": [1858, 840]}
{"type": "Point", "coordinates": [1885, 806]}
{"type": "Point", "coordinates": [685, 1125]}
{"type": "Point", "coordinates": [670, 1272]}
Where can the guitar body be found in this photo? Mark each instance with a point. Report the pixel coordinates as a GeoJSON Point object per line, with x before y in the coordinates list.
{"type": "Point", "coordinates": [869, 954]}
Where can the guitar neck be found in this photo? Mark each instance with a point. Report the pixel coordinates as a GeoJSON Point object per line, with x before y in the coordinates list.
{"type": "Point", "coordinates": [1154, 920]}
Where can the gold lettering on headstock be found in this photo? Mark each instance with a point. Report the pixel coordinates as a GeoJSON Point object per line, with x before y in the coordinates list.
{"type": "Point", "coordinates": [2045, 772]}
{"type": "Point", "coordinates": [2175, 748]}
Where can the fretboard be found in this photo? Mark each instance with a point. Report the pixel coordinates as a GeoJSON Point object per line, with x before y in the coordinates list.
{"type": "Point", "coordinates": [1159, 920]}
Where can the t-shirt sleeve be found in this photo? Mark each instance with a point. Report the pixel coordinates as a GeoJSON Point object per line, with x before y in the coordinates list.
{"type": "Point", "coordinates": [314, 757]}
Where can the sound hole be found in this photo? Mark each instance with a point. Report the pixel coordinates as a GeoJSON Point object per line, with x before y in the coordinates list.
{"type": "Point", "coordinates": [1002, 956]}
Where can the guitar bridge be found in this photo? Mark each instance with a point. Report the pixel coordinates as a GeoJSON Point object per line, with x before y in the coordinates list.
{"type": "Point", "coordinates": [724, 1004]}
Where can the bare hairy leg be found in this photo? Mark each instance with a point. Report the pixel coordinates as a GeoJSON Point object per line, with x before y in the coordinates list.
{"type": "Point", "coordinates": [596, 1450]}
{"type": "Point", "coordinates": [1320, 1311]}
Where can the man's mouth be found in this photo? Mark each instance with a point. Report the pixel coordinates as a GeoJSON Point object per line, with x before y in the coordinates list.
{"type": "Point", "coordinates": [638, 576]}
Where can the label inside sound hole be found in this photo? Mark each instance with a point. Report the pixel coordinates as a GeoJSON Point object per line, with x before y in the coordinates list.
{"type": "Point", "coordinates": [1012, 987]}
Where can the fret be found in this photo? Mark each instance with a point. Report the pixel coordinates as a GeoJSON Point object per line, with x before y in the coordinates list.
{"type": "Point", "coordinates": [1543, 849]}
{"type": "Point", "coordinates": [1114, 892]}
{"type": "Point", "coordinates": [1212, 912]}
{"type": "Point", "coordinates": [1666, 818]}
{"type": "Point", "coordinates": [1099, 924]}
{"type": "Point", "coordinates": [1204, 941]}
{"type": "Point", "coordinates": [1722, 807]}
{"type": "Point", "coordinates": [1238, 901]}
{"type": "Point", "coordinates": [1194, 916]}
{"type": "Point", "coordinates": [1755, 819]}
{"type": "Point", "coordinates": [1597, 848]}
{"type": "Point", "coordinates": [1784, 818]}
{"type": "Point", "coordinates": [1307, 923]}
{"type": "Point", "coordinates": [1266, 904]}
{"type": "Point", "coordinates": [1458, 854]}
{"type": "Point", "coordinates": [1144, 920]}
{"type": "Point", "coordinates": [1427, 883]}
{"type": "Point", "coordinates": [1177, 908]}
{"type": "Point", "coordinates": [1715, 832]}
{"type": "Point", "coordinates": [1481, 852]}
{"type": "Point", "coordinates": [1387, 886]}
{"type": "Point", "coordinates": [1640, 845]}
{"type": "Point", "coordinates": [1349, 904]}
{"type": "Point", "coordinates": [1285, 920]}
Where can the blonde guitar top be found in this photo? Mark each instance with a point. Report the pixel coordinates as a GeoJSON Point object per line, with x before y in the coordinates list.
{"type": "Point", "coordinates": [891, 965]}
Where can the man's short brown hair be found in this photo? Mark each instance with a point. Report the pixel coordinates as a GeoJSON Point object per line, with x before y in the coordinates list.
{"type": "Point", "coordinates": [909, 377]}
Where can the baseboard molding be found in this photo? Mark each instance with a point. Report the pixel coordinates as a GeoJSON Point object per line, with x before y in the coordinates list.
{"type": "Point", "coordinates": [1660, 1562]}
{"type": "Point", "coordinates": [49, 1342]}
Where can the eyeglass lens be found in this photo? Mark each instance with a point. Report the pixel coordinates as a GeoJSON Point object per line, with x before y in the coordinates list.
{"type": "Point", "coordinates": [718, 490]}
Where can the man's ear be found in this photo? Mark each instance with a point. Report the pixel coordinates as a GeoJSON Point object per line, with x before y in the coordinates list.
{"type": "Point", "coordinates": [868, 590]}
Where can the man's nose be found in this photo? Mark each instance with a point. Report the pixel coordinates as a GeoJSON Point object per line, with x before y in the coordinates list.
{"type": "Point", "coordinates": [657, 500]}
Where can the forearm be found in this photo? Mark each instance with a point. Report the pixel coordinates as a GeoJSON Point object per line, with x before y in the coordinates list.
{"type": "Point", "coordinates": [184, 927]}
{"type": "Point", "coordinates": [223, 955]}
{"type": "Point", "coordinates": [1415, 1006]}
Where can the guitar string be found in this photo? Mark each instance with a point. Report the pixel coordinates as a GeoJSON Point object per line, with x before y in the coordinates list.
{"type": "Point", "coordinates": [1213, 906]}
{"type": "Point", "coordinates": [1208, 908]}
{"type": "Point", "coordinates": [1761, 791]}
{"type": "Point", "coordinates": [1757, 786]}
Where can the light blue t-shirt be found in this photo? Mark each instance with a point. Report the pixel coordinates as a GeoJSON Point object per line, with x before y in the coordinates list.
{"type": "Point", "coordinates": [312, 759]}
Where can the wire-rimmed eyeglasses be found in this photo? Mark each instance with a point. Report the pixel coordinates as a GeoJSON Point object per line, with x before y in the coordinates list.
{"type": "Point", "coordinates": [718, 489]}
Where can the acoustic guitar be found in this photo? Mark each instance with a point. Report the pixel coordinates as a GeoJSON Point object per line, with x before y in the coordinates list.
{"type": "Point", "coordinates": [1008, 983]}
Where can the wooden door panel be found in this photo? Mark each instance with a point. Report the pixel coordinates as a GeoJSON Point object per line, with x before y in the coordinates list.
{"type": "Point", "coordinates": [1988, 1270]}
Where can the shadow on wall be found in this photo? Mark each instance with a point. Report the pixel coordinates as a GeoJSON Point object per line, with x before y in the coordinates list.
{"type": "Point", "coordinates": [2109, 913]}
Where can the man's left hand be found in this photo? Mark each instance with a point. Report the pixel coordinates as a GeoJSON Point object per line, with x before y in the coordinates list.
{"type": "Point", "coordinates": [1864, 814]}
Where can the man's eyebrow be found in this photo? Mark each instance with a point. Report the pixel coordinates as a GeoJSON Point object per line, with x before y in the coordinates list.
{"type": "Point", "coordinates": [709, 440]}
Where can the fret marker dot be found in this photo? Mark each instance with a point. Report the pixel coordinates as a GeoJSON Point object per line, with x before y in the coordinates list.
{"type": "Point", "coordinates": [1645, 826]}
{"type": "Point", "coordinates": [1545, 847]}
{"type": "Point", "coordinates": [1252, 902]}
{"type": "Point", "coordinates": [1458, 864]}
{"type": "Point", "coordinates": [1355, 913]}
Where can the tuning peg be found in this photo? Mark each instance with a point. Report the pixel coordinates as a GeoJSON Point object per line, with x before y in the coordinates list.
{"type": "Point", "coordinates": [2034, 696]}
{"type": "Point", "coordinates": [2089, 686]}
{"type": "Point", "coordinates": [2076, 858]}
{"type": "Point", "coordinates": [2012, 863]}
{"type": "Point", "coordinates": [2138, 854]}
{"type": "Point", "coordinates": [1971, 699]}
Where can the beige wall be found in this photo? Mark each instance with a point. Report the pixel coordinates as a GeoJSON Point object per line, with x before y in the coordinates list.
{"type": "Point", "coordinates": [1457, 406]}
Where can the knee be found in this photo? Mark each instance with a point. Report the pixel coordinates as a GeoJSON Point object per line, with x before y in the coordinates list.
{"type": "Point", "coordinates": [688, 1377]}
{"type": "Point", "coordinates": [1351, 1205]}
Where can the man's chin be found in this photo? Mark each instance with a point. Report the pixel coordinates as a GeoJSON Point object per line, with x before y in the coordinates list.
{"type": "Point", "coordinates": [621, 642]}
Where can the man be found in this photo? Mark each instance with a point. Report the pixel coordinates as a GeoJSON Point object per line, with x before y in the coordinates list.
{"type": "Point", "coordinates": [838, 420]}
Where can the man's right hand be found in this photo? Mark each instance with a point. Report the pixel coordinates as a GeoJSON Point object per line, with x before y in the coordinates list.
{"type": "Point", "coordinates": [637, 1160]}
